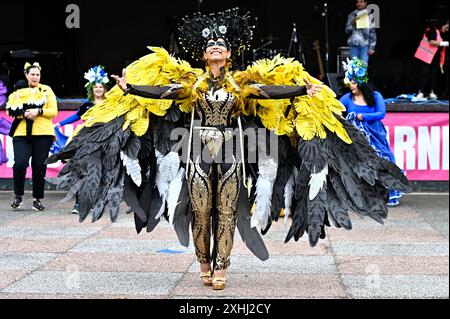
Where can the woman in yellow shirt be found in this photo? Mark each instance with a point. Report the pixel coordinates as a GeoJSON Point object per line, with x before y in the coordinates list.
{"type": "Point", "coordinates": [33, 109]}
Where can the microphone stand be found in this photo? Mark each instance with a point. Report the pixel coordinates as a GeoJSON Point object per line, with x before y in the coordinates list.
{"type": "Point", "coordinates": [327, 42]}
{"type": "Point", "coordinates": [260, 48]}
{"type": "Point", "coordinates": [294, 41]}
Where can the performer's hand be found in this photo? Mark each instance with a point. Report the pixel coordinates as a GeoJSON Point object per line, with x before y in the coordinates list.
{"type": "Point", "coordinates": [312, 89]}
{"type": "Point", "coordinates": [121, 81]}
{"type": "Point", "coordinates": [442, 69]}
{"type": "Point", "coordinates": [360, 117]}
{"type": "Point", "coordinates": [371, 52]}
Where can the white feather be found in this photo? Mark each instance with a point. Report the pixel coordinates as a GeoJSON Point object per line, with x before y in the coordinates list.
{"type": "Point", "coordinates": [133, 168]}
{"type": "Point", "coordinates": [264, 191]}
{"type": "Point", "coordinates": [249, 186]}
{"type": "Point", "coordinates": [317, 182]}
{"type": "Point", "coordinates": [174, 193]}
{"type": "Point", "coordinates": [163, 188]}
{"type": "Point", "coordinates": [288, 194]}
{"type": "Point", "coordinates": [168, 167]}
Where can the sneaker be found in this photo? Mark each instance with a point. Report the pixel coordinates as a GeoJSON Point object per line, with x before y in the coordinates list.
{"type": "Point", "coordinates": [432, 96]}
{"type": "Point", "coordinates": [37, 205]}
{"type": "Point", "coordinates": [17, 202]}
{"type": "Point", "coordinates": [420, 97]}
{"type": "Point", "coordinates": [76, 209]}
{"type": "Point", "coordinates": [393, 202]}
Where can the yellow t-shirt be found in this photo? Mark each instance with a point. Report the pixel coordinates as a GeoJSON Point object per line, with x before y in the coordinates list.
{"type": "Point", "coordinates": [41, 97]}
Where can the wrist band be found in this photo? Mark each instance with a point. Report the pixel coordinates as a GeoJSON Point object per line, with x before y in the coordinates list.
{"type": "Point", "coordinates": [127, 91]}
{"type": "Point", "coordinates": [443, 44]}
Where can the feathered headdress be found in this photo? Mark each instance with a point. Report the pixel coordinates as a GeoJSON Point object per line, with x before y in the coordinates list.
{"type": "Point", "coordinates": [195, 31]}
{"type": "Point", "coordinates": [95, 75]}
{"type": "Point", "coordinates": [355, 70]}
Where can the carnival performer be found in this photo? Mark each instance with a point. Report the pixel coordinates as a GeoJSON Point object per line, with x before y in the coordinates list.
{"type": "Point", "coordinates": [323, 168]}
{"type": "Point", "coordinates": [97, 87]}
{"type": "Point", "coordinates": [365, 110]}
{"type": "Point", "coordinates": [33, 109]}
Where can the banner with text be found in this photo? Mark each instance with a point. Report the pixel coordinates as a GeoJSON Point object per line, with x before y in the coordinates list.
{"type": "Point", "coordinates": [52, 170]}
{"type": "Point", "coordinates": [420, 144]}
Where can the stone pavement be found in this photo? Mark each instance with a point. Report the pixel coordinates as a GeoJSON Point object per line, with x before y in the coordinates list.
{"type": "Point", "coordinates": [51, 255]}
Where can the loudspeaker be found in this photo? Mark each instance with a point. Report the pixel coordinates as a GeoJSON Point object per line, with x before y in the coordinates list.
{"type": "Point", "coordinates": [343, 54]}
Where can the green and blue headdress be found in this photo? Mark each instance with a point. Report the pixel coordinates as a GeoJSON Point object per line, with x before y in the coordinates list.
{"type": "Point", "coordinates": [355, 71]}
{"type": "Point", "coordinates": [95, 75]}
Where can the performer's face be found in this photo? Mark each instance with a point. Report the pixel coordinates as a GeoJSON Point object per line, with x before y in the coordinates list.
{"type": "Point", "coordinates": [216, 50]}
{"type": "Point", "coordinates": [444, 28]}
{"type": "Point", "coordinates": [34, 77]}
{"type": "Point", "coordinates": [99, 91]}
{"type": "Point", "coordinates": [361, 4]}
{"type": "Point", "coordinates": [354, 87]}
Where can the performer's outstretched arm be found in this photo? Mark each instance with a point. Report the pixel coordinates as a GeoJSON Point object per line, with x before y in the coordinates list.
{"type": "Point", "coordinates": [174, 91]}
{"type": "Point", "coordinates": [169, 92]}
{"type": "Point", "coordinates": [280, 92]}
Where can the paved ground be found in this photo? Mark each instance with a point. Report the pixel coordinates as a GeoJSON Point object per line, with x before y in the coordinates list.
{"type": "Point", "coordinates": [51, 255]}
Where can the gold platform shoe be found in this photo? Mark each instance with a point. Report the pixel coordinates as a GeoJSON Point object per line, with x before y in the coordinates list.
{"type": "Point", "coordinates": [206, 278]}
{"type": "Point", "coordinates": [219, 283]}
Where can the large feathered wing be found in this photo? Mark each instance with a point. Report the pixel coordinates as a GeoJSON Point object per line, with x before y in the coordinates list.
{"type": "Point", "coordinates": [324, 167]}
{"type": "Point", "coordinates": [156, 69]}
{"type": "Point", "coordinates": [113, 157]}
{"type": "Point", "coordinates": [305, 116]}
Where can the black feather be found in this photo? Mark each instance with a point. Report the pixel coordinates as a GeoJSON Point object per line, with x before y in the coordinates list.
{"type": "Point", "coordinates": [286, 158]}
{"type": "Point", "coordinates": [132, 147]}
{"type": "Point", "coordinates": [250, 236]}
{"type": "Point", "coordinates": [300, 213]}
{"type": "Point", "coordinates": [312, 154]}
{"type": "Point", "coordinates": [316, 216]}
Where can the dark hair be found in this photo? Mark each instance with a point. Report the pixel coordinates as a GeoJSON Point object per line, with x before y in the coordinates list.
{"type": "Point", "coordinates": [31, 67]}
{"type": "Point", "coordinates": [368, 91]}
{"type": "Point", "coordinates": [442, 22]}
{"type": "Point", "coordinates": [21, 84]}
{"type": "Point", "coordinates": [438, 23]}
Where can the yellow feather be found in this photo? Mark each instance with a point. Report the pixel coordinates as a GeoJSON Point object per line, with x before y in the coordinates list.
{"type": "Point", "coordinates": [312, 114]}
{"type": "Point", "coordinates": [156, 69]}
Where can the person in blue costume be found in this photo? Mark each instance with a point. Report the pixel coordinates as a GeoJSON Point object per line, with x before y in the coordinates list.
{"type": "Point", "coordinates": [97, 87]}
{"type": "Point", "coordinates": [366, 109]}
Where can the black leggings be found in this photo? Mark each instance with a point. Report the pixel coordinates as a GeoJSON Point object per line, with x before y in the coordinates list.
{"type": "Point", "coordinates": [36, 148]}
{"type": "Point", "coordinates": [429, 73]}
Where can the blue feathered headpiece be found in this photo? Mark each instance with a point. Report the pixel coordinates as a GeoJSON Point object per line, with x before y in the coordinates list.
{"type": "Point", "coordinates": [355, 71]}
